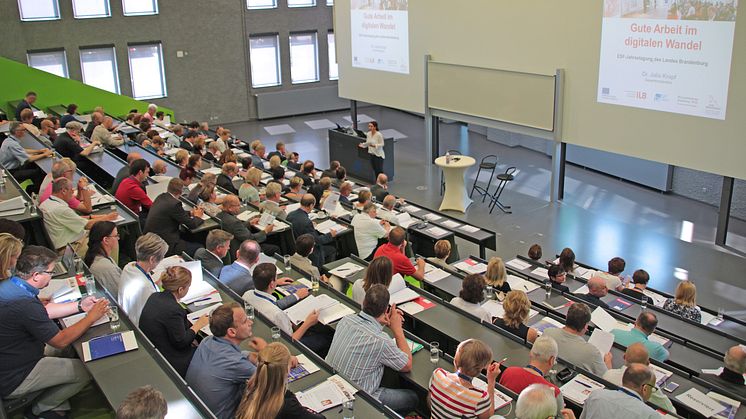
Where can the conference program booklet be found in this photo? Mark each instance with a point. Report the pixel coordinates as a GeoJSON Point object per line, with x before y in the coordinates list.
{"type": "Point", "coordinates": [108, 345]}
{"type": "Point", "coordinates": [304, 368]}
{"type": "Point", "coordinates": [330, 393]}
{"type": "Point", "coordinates": [579, 388]}
{"type": "Point", "coordinates": [501, 399]}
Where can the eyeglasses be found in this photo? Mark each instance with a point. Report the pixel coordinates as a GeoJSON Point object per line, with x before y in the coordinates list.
{"type": "Point", "coordinates": [114, 237]}
{"type": "Point", "coordinates": [652, 386]}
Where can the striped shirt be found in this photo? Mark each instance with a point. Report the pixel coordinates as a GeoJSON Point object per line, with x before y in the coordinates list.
{"type": "Point", "coordinates": [361, 349]}
{"type": "Point", "coordinates": [449, 399]}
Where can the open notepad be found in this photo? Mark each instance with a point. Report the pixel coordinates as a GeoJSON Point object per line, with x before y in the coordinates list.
{"type": "Point", "coordinates": [61, 291]}
{"type": "Point", "coordinates": [330, 310]}
{"type": "Point", "coordinates": [398, 291]}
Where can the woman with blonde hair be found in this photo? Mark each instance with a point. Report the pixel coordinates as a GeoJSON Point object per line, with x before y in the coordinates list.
{"type": "Point", "coordinates": [442, 251]}
{"type": "Point", "coordinates": [496, 275]}
{"type": "Point", "coordinates": [164, 321]}
{"type": "Point", "coordinates": [10, 249]}
{"type": "Point", "coordinates": [181, 158]}
{"type": "Point", "coordinates": [684, 302]}
{"type": "Point", "coordinates": [517, 307]}
{"type": "Point", "coordinates": [266, 395]}
{"type": "Point", "coordinates": [249, 191]}
{"type": "Point", "coordinates": [274, 161]}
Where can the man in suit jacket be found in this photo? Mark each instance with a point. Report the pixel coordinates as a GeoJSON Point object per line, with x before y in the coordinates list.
{"type": "Point", "coordinates": [167, 214]}
{"type": "Point", "coordinates": [217, 245]}
{"type": "Point", "coordinates": [381, 188]}
{"type": "Point", "coordinates": [307, 174]}
{"type": "Point", "coordinates": [324, 249]}
{"type": "Point", "coordinates": [240, 229]}
{"type": "Point", "coordinates": [225, 178]}
{"type": "Point", "coordinates": [187, 143]}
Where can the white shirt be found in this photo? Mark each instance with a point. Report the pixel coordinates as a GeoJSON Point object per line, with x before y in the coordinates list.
{"type": "Point", "coordinates": [267, 305]}
{"type": "Point", "coordinates": [358, 293]}
{"type": "Point", "coordinates": [375, 144]}
{"type": "Point", "coordinates": [387, 215]}
{"type": "Point", "coordinates": [367, 232]}
{"type": "Point", "coordinates": [471, 308]}
{"type": "Point", "coordinates": [134, 290]}
{"type": "Point", "coordinates": [62, 223]}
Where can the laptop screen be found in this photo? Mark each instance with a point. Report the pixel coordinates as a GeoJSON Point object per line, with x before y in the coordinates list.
{"type": "Point", "coordinates": [68, 257]}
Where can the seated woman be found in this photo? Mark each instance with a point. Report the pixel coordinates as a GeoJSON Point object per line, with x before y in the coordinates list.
{"type": "Point", "coordinates": [10, 249]}
{"type": "Point", "coordinates": [103, 243]}
{"type": "Point", "coordinates": [274, 161]}
{"type": "Point", "coordinates": [295, 190]}
{"type": "Point", "coordinates": [249, 190]}
{"type": "Point", "coordinates": [567, 260]}
{"type": "Point", "coordinates": [189, 173]}
{"type": "Point", "coordinates": [266, 394]}
{"type": "Point", "coordinates": [470, 297]}
{"type": "Point", "coordinates": [442, 252]}
{"type": "Point", "coordinates": [228, 156]}
{"type": "Point", "coordinates": [684, 302]}
{"type": "Point", "coordinates": [534, 252]}
{"type": "Point", "coordinates": [452, 394]}
{"type": "Point", "coordinates": [557, 278]}
{"type": "Point", "coordinates": [379, 272]}
{"type": "Point", "coordinates": [213, 152]}
{"type": "Point", "coordinates": [496, 276]}
{"type": "Point", "coordinates": [164, 321]}
{"type": "Point", "coordinates": [517, 307]}
{"type": "Point", "coordinates": [181, 158]}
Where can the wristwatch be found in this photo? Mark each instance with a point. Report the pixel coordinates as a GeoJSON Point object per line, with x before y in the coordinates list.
{"type": "Point", "coordinates": [80, 306]}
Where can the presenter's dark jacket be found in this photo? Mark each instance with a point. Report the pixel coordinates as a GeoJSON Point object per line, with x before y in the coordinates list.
{"type": "Point", "coordinates": [164, 219]}
{"type": "Point", "coordinates": [165, 323]}
{"type": "Point", "coordinates": [303, 225]}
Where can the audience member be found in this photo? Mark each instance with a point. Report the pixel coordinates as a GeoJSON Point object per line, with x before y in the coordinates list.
{"type": "Point", "coordinates": [103, 245]}
{"type": "Point", "coordinates": [497, 276]}
{"type": "Point", "coordinates": [637, 354]}
{"type": "Point", "coordinates": [644, 327]}
{"type": "Point", "coordinates": [97, 117]}
{"type": "Point", "coordinates": [237, 276]}
{"type": "Point", "coordinates": [187, 142]}
{"type": "Point", "coordinates": [394, 250]}
{"type": "Point", "coordinates": [381, 189]}
{"type": "Point", "coordinates": [340, 176]}
{"type": "Point", "coordinates": [453, 394]}
{"type": "Point", "coordinates": [361, 349]}
{"type": "Point", "coordinates": [684, 302]}
{"type": "Point", "coordinates": [596, 290]}
{"type": "Point", "coordinates": [368, 230]}
{"type": "Point", "coordinates": [517, 308]}
{"type": "Point", "coordinates": [13, 227]}
{"type": "Point", "coordinates": [72, 110]}
{"type": "Point", "coordinates": [124, 172]}
{"type": "Point", "coordinates": [136, 285]}
{"type": "Point", "coordinates": [131, 193]}
{"type": "Point", "coordinates": [149, 115]}
{"type": "Point", "coordinates": [164, 321]}
{"type": "Point", "coordinates": [537, 402]}
{"type": "Point", "coordinates": [308, 173]}
{"type": "Point", "coordinates": [258, 155]}
{"type": "Point", "coordinates": [613, 277]}
{"type": "Point", "coordinates": [331, 172]}
{"type": "Point", "coordinates": [19, 161]}
{"type": "Point", "coordinates": [10, 250]}
{"type": "Point", "coordinates": [638, 383]}
{"type": "Point", "coordinates": [542, 357]}
{"type": "Point", "coordinates": [640, 278]}
{"type": "Point", "coordinates": [66, 168]}
{"type": "Point", "coordinates": [299, 260]}
{"type": "Point", "coordinates": [567, 260]}
{"type": "Point", "coordinates": [734, 366]}
{"type": "Point", "coordinates": [206, 184]}
{"type": "Point", "coordinates": [470, 297]}
{"type": "Point", "coordinates": [143, 403]}
{"type": "Point", "coordinates": [557, 276]}
{"type": "Point", "coordinates": [271, 203]}
{"type": "Point", "coordinates": [325, 249]}
{"type": "Point", "coordinates": [240, 229]}
{"type": "Point", "coordinates": [321, 189]}
{"type": "Point", "coordinates": [249, 191]}
{"type": "Point", "coordinates": [217, 245]}
{"type": "Point", "coordinates": [47, 133]}
{"type": "Point", "coordinates": [27, 327]}
{"type": "Point", "coordinates": [225, 178]}
{"type": "Point", "coordinates": [167, 214]}
{"type": "Point", "coordinates": [293, 160]}
{"type": "Point", "coordinates": [442, 251]}
{"type": "Point", "coordinates": [363, 197]}
{"type": "Point", "coordinates": [181, 158]}
{"type": "Point", "coordinates": [534, 252]}
{"type": "Point", "coordinates": [279, 151]}
{"type": "Point", "coordinates": [345, 192]}
{"type": "Point", "coordinates": [68, 145]}
{"type": "Point", "coordinates": [27, 118]}
{"type": "Point", "coordinates": [102, 134]}
{"type": "Point", "coordinates": [193, 166]}
{"type": "Point", "coordinates": [377, 272]}
{"type": "Point", "coordinates": [386, 212]}
{"type": "Point", "coordinates": [296, 191]}
{"type": "Point", "coordinates": [572, 345]}
{"type": "Point", "coordinates": [219, 369]}
{"type": "Point", "coordinates": [26, 103]}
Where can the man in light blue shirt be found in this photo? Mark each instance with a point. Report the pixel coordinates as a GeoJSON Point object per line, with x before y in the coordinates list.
{"type": "Point", "coordinates": [644, 327]}
{"type": "Point", "coordinates": [19, 161]}
{"type": "Point", "coordinates": [219, 369]}
{"type": "Point", "coordinates": [638, 383]}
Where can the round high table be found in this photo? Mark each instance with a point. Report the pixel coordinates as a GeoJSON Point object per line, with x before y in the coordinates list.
{"type": "Point", "coordinates": [455, 197]}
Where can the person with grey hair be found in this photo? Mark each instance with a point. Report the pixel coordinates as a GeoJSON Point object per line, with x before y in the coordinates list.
{"type": "Point", "coordinates": [27, 326]}
{"type": "Point", "coordinates": [537, 402]}
{"type": "Point", "coordinates": [645, 325]}
{"type": "Point", "coordinates": [19, 161]}
{"type": "Point", "coordinates": [68, 143]}
{"type": "Point", "coordinates": [150, 114]}
{"type": "Point", "coordinates": [638, 383]}
{"type": "Point", "coordinates": [102, 133]}
{"type": "Point", "coordinates": [136, 284]}
{"type": "Point", "coordinates": [386, 212]}
{"type": "Point", "coordinates": [66, 168]}
{"type": "Point", "coordinates": [636, 353]}
{"type": "Point", "coordinates": [216, 247]}
{"type": "Point", "coordinates": [542, 358]}
{"type": "Point", "coordinates": [167, 214]}
{"type": "Point", "coordinates": [733, 369]}
{"type": "Point", "coordinates": [174, 138]}
{"type": "Point", "coordinates": [143, 403]}
{"type": "Point", "coordinates": [368, 230]}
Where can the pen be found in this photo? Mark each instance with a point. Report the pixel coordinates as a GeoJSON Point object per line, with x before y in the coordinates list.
{"type": "Point", "coordinates": [202, 299]}
{"type": "Point", "coordinates": [583, 384]}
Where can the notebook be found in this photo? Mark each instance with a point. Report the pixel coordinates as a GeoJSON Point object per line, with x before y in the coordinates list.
{"type": "Point", "coordinates": [108, 345]}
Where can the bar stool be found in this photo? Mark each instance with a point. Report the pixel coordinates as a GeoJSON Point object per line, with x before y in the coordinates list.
{"type": "Point", "coordinates": [442, 179]}
{"type": "Point", "coordinates": [488, 163]}
{"type": "Point", "coordinates": [504, 178]}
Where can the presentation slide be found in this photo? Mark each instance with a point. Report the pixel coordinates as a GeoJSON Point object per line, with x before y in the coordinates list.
{"type": "Point", "coordinates": [667, 55]}
{"type": "Point", "coordinates": [380, 35]}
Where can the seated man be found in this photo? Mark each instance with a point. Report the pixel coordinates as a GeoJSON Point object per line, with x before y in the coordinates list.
{"type": "Point", "coordinates": [542, 358]}
{"type": "Point", "coordinates": [596, 290]}
{"type": "Point", "coordinates": [68, 144]}
{"type": "Point", "coordinates": [394, 250]}
{"type": "Point", "coordinates": [537, 402]}
{"type": "Point", "coordinates": [272, 201]}
{"type": "Point", "coordinates": [637, 354]}
{"type": "Point", "coordinates": [308, 174]}
{"type": "Point", "coordinates": [644, 326]}
{"type": "Point", "coordinates": [225, 178]}
{"type": "Point", "coordinates": [299, 260]}
{"type": "Point", "coordinates": [124, 172]}
{"type": "Point", "coordinates": [143, 402]}
{"type": "Point", "coordinates": [325, 249]}
{"type": "Point", "coordinates": [229, 222]}
{"type": "Point", "coordinates": [572, 345]}
{"type": "Point", "coordinates": [19, 161]}
{"type": "Point", "coordinates": [734, 366]}
{"type": "Point", "coordinates": [102, 134]}
{"type": "Point", "coordinates": [613, 276]}
{"type": "Point", "coordinates": [316, 337]}
{"type": "Point", "coordinates": [258, 155]}
{"type": "Point", "coordinates": [640, 278]}
{"type": "Point", "coordinates": [130, 191]}
{"type": "Point", "coordinates": [331, 172]}
{"type": "Point", "coordinates": [216, 247]}
{"type": "Point", "coordinates": [219, 369]}
{"type": "Point", "coordinates": [381, 189]}
{"type": "Point", "coordinates": [26, 103]}
{"type": "Point", "coordinates": [97, 118]}
{"type": "Point", "coordinates": [340, 176]}
{"type": "Point", "coordinates": [27, 118]}
{"type": "Point", "coordinates": [136, 283]}
{"type": "Point", "coordinates": [557, 276]}
{"type": "Point", "coordinates": [26, 327]}
{"type": "Point", "coordinates": [361, 349]}
{"type": "Point", "coordinates": [293, 160]}
{"type": "Point", "coordinates": [279, 151]}
{"type": "Point", "coordinates": [66, 168]}
{"type": "Point", "coordinates": [167, 214]}
{"type": "Point", "coordinates": [344, 193]}
{"type": "Point", "coordinates": [63, 225]}
{"type": "Point", "coordinates": [368, 230]}
{"type": "Point", "coordinates": [386, 212]}
{"type": "Point", "coordinates": [237, 276]}
{"type": "Point", "coordinates": [638, 383]}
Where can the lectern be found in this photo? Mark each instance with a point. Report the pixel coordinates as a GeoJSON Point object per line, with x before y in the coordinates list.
{"type": "Point", "coordinates": [343, 146]}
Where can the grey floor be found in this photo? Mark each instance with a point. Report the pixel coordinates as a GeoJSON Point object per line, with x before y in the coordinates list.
{"type": "Point", "coordinates": [601, 217]}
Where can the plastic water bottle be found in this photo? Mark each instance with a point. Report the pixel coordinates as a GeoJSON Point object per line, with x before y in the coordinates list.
{"type": "Point", "coordinates": [33, 204]}
{"type": "Point", "coordinates": [548, 288]}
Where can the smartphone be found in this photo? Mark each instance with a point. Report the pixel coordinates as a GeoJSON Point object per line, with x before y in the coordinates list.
{"type": "Point", "coordinates": [671, 387]}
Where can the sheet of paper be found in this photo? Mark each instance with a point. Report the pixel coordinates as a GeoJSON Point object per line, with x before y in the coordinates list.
{"type": "Point", "coordinates": [211, 299]}
{"type": "Point", "coordinates": [247, 215]}
{"type": "Point", "coordinates": [699, 401]}
{"type": "Point", "coordinates": [501, 399]}
{"type": "Point", "coordinates": [546, 323]}
{"type": "Point", "coordinates": [303, 308]}
{"type": "Point", "coordinates": [265, 220]}
{"type": "Point", "coordinates": [495, 308]}
{"type": "Point", "coordinates": [579, 388]}
{"type": "Point", "coordinates": [436, 275]}
{"type": "Point", "coordinates": [451, 224]}
{"type": "Point", "coordinates": [541, 272]}
{"type": "Point", "coordinates": [71, 320]}
{"type": "Point", "coordinates": [410, 208]}
{"type": "Point", "coordinates": [603, 320]}
{"type": "Point", "coordinates": [334, 313]}
{"type": "Point", "coordinates": [582, 290]}
{"type": "Point", "coordinates": [432, 217]}
{"type": "Point", "coordinates": [437, 231]}
{"type": "Point", "coordinates": [195, 315]}
{"type": "Point", "coordinates": [411, 308]}
{"type": "Point", "coordinates": [521, 284]}
{"type": "Point", "coordinates": [661, 375]}
{"type": "Point", "coordinates": [601, 340]}
{"type": "Point", "coordinates": [588, 274]}
{"type": "Point", "coordinates": [730, 406]}
{"type": "Point", "coordinates": [404, 219]}
{"type": "Point", "coordinates": [213, 170]}
{"type": "Point", "coordinates": [469, 229]}
{"type": "Point", "coordinates": [347, 269]}
{"type": "Point", "coordinates": [518, 264]}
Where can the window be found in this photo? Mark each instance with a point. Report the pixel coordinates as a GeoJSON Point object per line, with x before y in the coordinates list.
{"type": "Point", "coordinates": [330, 2]}
{"type": "Point", "coordinates": [140, 7]}
{"type": "Point", "coordinates": [146, 71]}
{"type": "Point", "coordinates": [301, 3]}
{"type": "Point", "coordinates": [264, 53]}
{"type": "Point", "coordinates": [54, 62]}
{"type": "Point", "coordinates": [86, 9]}
{"type": "Point", "coordinates": [99, 67]}
{"type": "Point", "coordinates": [333, 68]}
{"type": "Point", "coordinates": [304, 66]}
{"type": "Point", "coordinates": [261, 4]}
{"type": "Point", "coordinates": [39, 9]}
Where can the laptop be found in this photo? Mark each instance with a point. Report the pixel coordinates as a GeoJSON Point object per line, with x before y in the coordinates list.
{"type": "Point", "coordinates": [65, 263]}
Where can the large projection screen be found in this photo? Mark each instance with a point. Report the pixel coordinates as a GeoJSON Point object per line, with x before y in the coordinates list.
{"type": "Point", "coordinates": [539, 36]}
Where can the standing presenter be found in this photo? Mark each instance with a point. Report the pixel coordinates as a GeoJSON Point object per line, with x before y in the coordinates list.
{"type": "Point", "coordinates": [374, 142]}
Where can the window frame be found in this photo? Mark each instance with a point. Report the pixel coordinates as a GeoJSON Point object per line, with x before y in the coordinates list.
{"type": "Point", "coordinates": [66, 67]}
{"type": "Point", "coordinates": [278, 59]}
{"type": "Point", "coordinates": [107, 3]}
{"type": "Point", "coordinates": [249, 7]}
{"type": "Point", "coordinates": [329, 51]}
{"type": "Point", "coordinates": [115, 65]}
{"type": "Point", "coordinates": [316, 55]}
{"type": "Point", "coordinates": [154, 12]}
{"type": "Point", "coordinates": [56, 4]}
{"type": "Point", "coordinates": [301, 6]}
{"type": "Point", "coordinates": [164, 90]}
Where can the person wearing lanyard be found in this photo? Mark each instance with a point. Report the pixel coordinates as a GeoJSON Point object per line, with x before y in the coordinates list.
{"type": "Point", "coordinates": [136, 285]}
{"type": "Point", "coordinates": [374, 142]}
{"type": "Point", "coordinates": [27, 326]}
{"type": "Point", "coordinates": [638, 383]}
